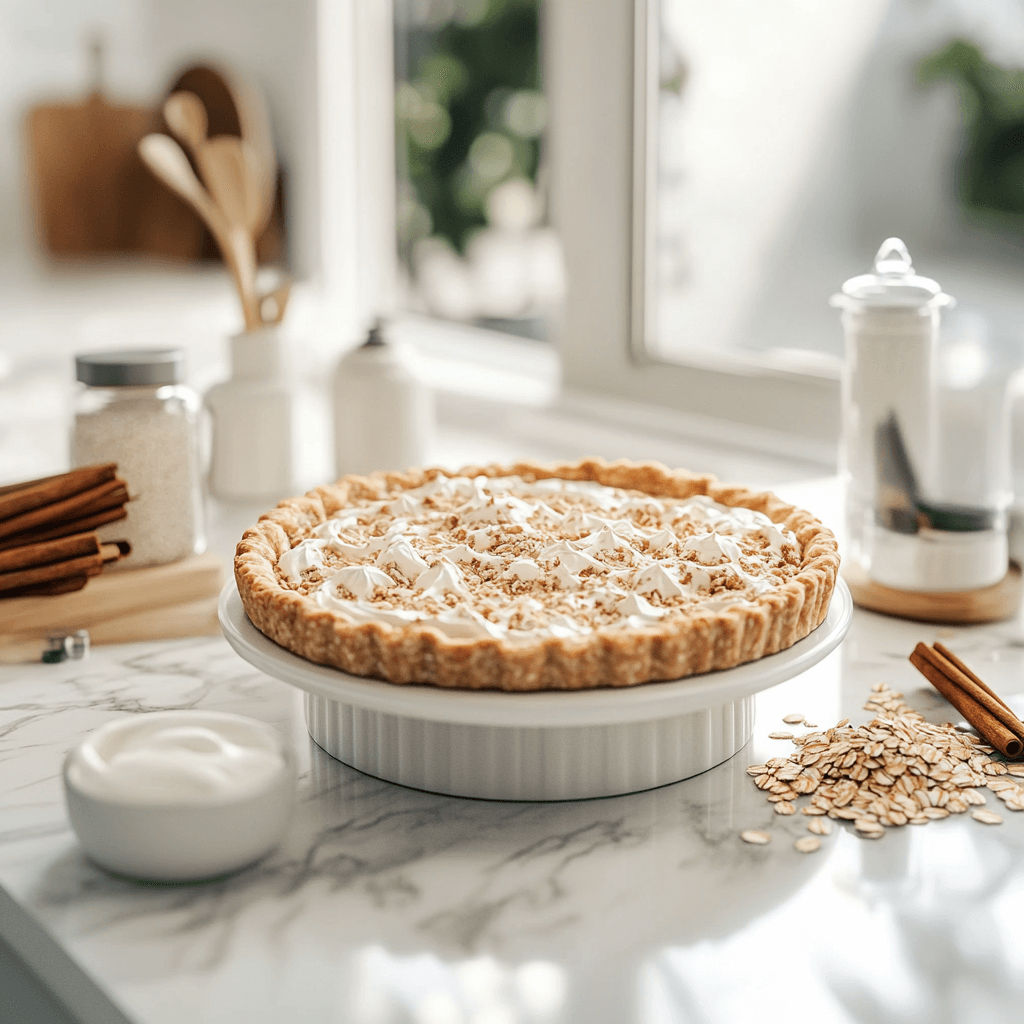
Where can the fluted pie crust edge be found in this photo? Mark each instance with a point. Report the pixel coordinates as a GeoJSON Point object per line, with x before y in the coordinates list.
{"type": "Point", "coordinates": [703, 641]}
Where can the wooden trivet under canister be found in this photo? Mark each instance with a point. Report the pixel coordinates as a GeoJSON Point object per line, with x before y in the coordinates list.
{"type": "Point", "coordinates": [989, 604]}
{"type": "Point", "coordinates": [974, 699]}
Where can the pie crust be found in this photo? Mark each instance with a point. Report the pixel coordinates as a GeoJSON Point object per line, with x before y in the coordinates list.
{"type": "Point", "coordinates": [702, 640]}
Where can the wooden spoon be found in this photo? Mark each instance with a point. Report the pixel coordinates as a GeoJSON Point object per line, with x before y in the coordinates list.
{"type": "Point", "coordinates": [254, 121]}
{"type": "Point", "coordinates": [243, 253]}
{"type": "Point", "coordinates": [273, 303]}
{"type": "Point", "coordinates": [185, 114]}
{"type": "Point", "coordinates": [222, 168]}
{"type": "Point", "coordinates": [235, 106]}
{"type": "Point", "coordinates": [166, 159]}
{"type": "Point", "coordinates": [230, 180]}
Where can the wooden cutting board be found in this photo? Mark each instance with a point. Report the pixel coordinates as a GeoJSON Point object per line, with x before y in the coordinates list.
{"type": "Point", "coordinates": [86, 175]}
{"type": "Point", "coordinates": [138, 596]}
{"type": "Point", "coordinates": [197, 618]}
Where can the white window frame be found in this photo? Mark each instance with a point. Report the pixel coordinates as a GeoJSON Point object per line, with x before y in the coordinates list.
{"type": "Point", "coordinates": [601, 165]}
{"type": "Point", "coordinates": [600, 87]}
{"type": "Point", "coordinates": [355, 100]}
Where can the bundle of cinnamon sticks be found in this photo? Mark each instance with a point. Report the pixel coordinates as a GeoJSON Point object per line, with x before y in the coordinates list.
{"type": "Point", "coordinates": [46, 541]}
{"type": "Point", "coordinates": [975, 700]}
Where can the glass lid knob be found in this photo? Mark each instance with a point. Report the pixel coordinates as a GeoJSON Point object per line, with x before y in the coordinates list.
{"type": "Point", "coordinates": [893, 259]}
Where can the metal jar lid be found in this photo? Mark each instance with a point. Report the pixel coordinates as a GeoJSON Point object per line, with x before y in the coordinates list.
{"type": "Point", "coordinates": [893, 285]}
{"type": "Point", "coordinates": [130, 367]}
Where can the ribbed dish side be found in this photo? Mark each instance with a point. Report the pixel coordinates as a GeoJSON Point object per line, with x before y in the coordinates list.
{"type": "Point", "coordinates": [495, 763]}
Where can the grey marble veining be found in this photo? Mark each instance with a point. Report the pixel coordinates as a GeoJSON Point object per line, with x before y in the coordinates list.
{"type": "Point", "coordinates": [387, 905]}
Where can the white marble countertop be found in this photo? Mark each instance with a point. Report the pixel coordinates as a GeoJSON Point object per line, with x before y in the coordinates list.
{"type": "Point", "coordinates": [387, 905]}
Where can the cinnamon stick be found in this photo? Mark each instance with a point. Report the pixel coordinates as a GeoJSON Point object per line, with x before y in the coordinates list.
{"type": "Point", "coordinates": [65, 586]}
{"type": "Point", "coordinates": [115, 549]}
{"type": "Point", "coordinates": [104, 500]}
{"type": "Point", "coordinates": [11, 488]}
{"type": "Point", "coordinates": [84, 554]}
{"type": "Point", "coordinates": [989, 716]}
{"type": "Point", "coordinates": [37, 493]}
{"type": "Point", "coordinates": [91, 565]}
{"type": "Point", "coordinates": [950, 656]}
{"type": "Point", "coordinates": [96, 499]}
{"type": "Point", "coordinates": [44, 553]}
{"type": "Point", "coordinates": [962, 681]}
{"type": "Point", "coordinates": [67, 529]}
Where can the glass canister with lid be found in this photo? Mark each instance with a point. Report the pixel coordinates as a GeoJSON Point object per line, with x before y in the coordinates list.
{"type": "Point", "coordinates": [910, 524]}
{"type": "Point", "coordinates": [133, 409]}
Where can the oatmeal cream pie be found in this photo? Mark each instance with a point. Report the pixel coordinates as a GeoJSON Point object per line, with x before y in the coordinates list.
{"type": "Point", "coordinates": [536, 577]}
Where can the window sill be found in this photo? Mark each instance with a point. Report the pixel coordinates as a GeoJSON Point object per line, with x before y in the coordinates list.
{"type": "Point", "coordinates": [509, 390]}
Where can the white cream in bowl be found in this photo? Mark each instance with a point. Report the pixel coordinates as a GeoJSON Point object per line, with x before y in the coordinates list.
{"type": "Point", "coordinates": [179, 795]}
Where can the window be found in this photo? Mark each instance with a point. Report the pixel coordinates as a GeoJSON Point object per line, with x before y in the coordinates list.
{"type": "Point", "coordinates": [700, 302]}
{"type": "Point", "coordinates": [597, 87]}
{"type": "Point", "coordinates": [472, 239]}
{"type": "Point", "coordinates": [602, 88]}
{"type": "Point", "coordinates": [719, 169]}
{"type": "Point", "coordinates": [749, 208]}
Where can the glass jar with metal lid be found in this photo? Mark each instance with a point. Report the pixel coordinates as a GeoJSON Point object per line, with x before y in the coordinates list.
{"type": "Point", "coordinates": [133, 409]}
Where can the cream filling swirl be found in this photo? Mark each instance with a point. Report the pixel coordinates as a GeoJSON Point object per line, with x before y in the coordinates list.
{"type": "Point", "coordinates": [517, 560]}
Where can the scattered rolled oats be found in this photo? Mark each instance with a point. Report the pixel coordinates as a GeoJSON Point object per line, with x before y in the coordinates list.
{"type": "Point", "coordinates": [896, 770]}
{"type": "Point", "coordinates": [867, 824]}
{"type": "Point", "coordinates": [807, 844]}
{"type": "Point", "coordinates": [987, 817]}
{"type": "Point", "coordinates": [755, 837]}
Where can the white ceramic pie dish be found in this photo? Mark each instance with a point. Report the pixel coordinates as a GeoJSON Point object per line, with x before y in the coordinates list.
{"type": "Point", "coordinates": [532, 746]}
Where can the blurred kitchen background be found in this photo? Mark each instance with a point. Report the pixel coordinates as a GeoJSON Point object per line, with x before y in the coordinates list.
{"type": "Point", "coordinates": [785, 141]}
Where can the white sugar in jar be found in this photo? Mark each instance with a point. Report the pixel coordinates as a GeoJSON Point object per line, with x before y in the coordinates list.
{"type": "Point", "coordinates": [132, 409]}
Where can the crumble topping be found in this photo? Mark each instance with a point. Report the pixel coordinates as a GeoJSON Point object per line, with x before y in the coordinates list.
{"type": "Point", "coordinates": [516, 560]}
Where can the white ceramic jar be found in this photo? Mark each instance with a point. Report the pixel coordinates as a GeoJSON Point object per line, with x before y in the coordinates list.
{"type": "Point", "coordinates": [133, 409]}
{"type": "Point", "coordinates": [383, 412]}
{"type": "Point", "coordinates": [251, 413]}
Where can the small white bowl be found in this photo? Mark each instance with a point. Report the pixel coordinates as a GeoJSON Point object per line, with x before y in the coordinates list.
{"type": "Point", "coordinates": [177, 796]}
